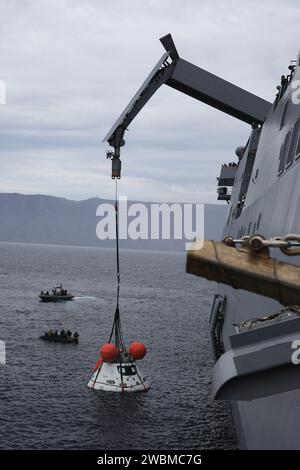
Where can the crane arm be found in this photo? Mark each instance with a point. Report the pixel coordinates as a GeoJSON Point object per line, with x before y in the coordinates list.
{"type": "Point", "coordinates": [193, 81]}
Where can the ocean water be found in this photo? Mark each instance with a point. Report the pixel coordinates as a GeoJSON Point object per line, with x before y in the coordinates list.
{"type": "Point", "coordinates": [44, 399]}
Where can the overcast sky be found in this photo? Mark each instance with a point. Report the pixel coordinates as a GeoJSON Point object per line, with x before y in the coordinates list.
{"type": "Point", "coordinates": [71, 66]}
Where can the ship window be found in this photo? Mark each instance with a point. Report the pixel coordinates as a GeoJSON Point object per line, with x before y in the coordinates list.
{"type": "Point", "coordinates": [249, 228]}
{"type": "Point", "coordinates": [292, 146]}
{"type": "Point", "coordinates": [283, 120]}
{"type": "Point", "coordinates": [281, 160]}
{"type": "Point", "coordinates": [298, 148]}
{"type": "Point", "coordinates": [245, 178]}
{"type": "Point", "coordinates": [229, 215]}
{"type": "Point", "coordinates": [297, 145]}
{"type": "Point", "coordinates": [127, 370]}
{"type": "Point", "coordinates": [283, 152]}
{"type": "Point", "coordinates": [258, 221]}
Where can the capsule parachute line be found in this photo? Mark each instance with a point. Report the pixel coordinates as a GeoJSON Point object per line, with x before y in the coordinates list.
{"type": "Point", "coordinates": [116, 369]}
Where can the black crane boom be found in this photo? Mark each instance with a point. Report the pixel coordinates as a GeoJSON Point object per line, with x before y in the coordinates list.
{"type": "Point", "coordinates": [195, 82]}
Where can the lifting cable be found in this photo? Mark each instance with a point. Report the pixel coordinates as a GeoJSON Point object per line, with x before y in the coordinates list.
{"type": "Point", "coordinates": [116, 324]}
{"type": "Point", "coordinates": [116, 328]}
{"type": "Point", "coordinates": [117, 241]}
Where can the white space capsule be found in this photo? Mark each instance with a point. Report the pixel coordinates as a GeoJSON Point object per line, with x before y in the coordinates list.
{"type": "Point", "coordinates": [119, 377]}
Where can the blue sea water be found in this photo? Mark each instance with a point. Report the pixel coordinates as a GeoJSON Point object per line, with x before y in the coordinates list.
{"type": "Point", "coordinates": [44, 399]}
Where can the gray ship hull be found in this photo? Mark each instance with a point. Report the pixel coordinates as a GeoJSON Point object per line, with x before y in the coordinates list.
{"type": "Point", "coordinates": [270, 422]}
{"type": "Point", "coordinates": [271, 208]}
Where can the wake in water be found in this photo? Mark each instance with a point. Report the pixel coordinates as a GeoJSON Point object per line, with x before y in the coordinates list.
{"type": "Point", "coordinates": [84, 297]}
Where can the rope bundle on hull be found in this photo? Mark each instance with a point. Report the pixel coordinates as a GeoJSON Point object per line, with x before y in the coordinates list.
{"type": "Point", "coordinates": [242, 268]}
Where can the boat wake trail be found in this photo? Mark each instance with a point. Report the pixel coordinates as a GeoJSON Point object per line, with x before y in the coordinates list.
{"type": "Point", "coordinates": [84, 297]}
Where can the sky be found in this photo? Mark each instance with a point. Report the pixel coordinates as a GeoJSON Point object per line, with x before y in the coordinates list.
{"type": "Point", "coordinates": [71, 66]}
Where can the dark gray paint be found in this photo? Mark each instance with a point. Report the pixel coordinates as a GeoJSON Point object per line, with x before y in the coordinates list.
{"type": "Point", "coordinates": [195, 82]}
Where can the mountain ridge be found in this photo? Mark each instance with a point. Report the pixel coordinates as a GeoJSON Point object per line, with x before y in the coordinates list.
{"type": "Point", "coordinates": [44, 219]}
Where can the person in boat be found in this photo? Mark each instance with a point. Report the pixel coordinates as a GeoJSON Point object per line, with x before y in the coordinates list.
{"type": "Point", "coordinates": [55, 333]}
{"type": "Point", "coordinates": [76, 335]}
{"type": "Point", "coordinates": [47, 293]}
{"type": "Point", "coordinates": [63, 333]}
{"type": "Point", "coordinates": [69, 334]}
{"type": "Point", "coordinates": [42, 292]}
{"type": "Point", "coordinates": [50, 333]}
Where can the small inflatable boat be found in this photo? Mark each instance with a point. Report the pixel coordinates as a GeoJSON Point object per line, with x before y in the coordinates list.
{"type": "Point", "coordinates": [58, 294]}
{"type": "Point", "coordinates": [60, 339]}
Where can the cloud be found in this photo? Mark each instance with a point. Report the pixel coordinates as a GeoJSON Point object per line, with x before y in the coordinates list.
{"type": "Point", "coordinates": [71, 67]}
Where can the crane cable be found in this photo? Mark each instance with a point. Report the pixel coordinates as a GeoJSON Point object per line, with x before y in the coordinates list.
{"type": "Point", "coordinates": [119, 340]}
{"type": "Point", "coordinates": [116, 328]}
{"type": "Point", "coordinates": [117, 242]}
{"type": "Point", "coordinates": [116, 324]}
